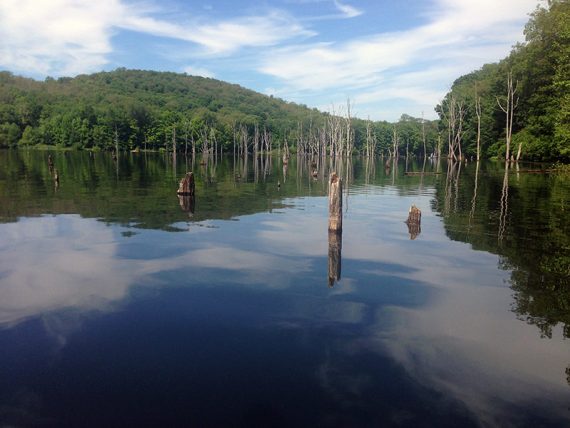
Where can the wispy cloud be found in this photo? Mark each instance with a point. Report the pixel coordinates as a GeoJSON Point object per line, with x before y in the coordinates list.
{"type": "Point", "coordinates": [459, 36]}
{"type": "Point", "coordinates": [226, 36]}
{"type": "Point", "coordinates": [68, 37]}
{"type": "Point", "coordinates": [198, 71]}
{"type": "Point", "coordinates": [347, 10]}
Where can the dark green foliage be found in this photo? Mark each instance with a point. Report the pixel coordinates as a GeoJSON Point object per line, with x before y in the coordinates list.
{"type": "Point", "coordinates": [140, 106]}
{"type": "Point", "coordinates": [144, 108]}
{"type": "Point", "coordinates": [541, 68]}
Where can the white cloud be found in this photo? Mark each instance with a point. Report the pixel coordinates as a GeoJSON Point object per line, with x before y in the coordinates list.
{"type": "Point", "coordinates": [226, 36]}
{"type": "Point", "coordinates": [198, 71]}
{"type": "Point", "coordinates": [68, 37]}
{"type": "Point", "coordinates": [347, 10]}
{"type": "Point", "coordinates": [60, 36]}
{"type": "Point", "coordinates": [460, 35]}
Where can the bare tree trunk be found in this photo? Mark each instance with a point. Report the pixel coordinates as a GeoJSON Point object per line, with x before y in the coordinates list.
{"type": "Point", "coordinates": [424, 135]}
{"type": "Point", "coordinates": [509, 106]}
{"type": "Point", "coordinates": [478, 113]}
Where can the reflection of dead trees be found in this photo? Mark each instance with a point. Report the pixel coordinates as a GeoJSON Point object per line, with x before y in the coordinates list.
{"type": "Point", "coordinates": [335, 257]}
{"type": "Point", "coordinates": [53, 172]}
{"type": "Point", "coordinates": [568, 374]}
{"type": "Point", "coordinates": [370, 169]}
{"type": "Point", "coordinates": [452, 186]}
{"type": "Point", "coordinates": [504, 204]}
{"type": "Point", "coordinates": [414, 222]}
{"type": "Point", "coordinates": [474, 198]}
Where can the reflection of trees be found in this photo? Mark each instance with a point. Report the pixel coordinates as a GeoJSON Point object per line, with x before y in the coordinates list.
{"type": "Point", "coordinates": [529, 220]}
{"type": "Point", "coordinates": [504, 204]}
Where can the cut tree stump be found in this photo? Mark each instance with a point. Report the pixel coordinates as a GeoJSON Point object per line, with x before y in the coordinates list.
{"type": "Point", "coordinates": [335, 202]}
{"type": "Point", "coordinates": [187, 186]}
{"type": "Point", "coordinates": [414, 222]}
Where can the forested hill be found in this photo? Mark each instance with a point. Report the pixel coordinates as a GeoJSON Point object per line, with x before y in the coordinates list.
{"type": "Point", "coordinates": [143, 106]}
{"type": "Point", "coordinates": [540, 70]}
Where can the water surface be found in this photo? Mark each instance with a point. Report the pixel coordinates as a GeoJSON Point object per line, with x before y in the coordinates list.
{"type": "Point", "coordinates": [122, 304]}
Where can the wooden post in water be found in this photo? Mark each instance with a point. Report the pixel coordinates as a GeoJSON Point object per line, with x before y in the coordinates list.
{"type": "Point", "coordinates": [187, 186]}
{"type": "Point", "coordinates": [414, 222]}
{"type": "Point", "coordinates": [335, 202]}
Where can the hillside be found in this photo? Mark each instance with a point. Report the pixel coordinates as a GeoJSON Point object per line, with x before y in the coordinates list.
{"type": "Point", "coordinates": [147, 109]}
{"type": "Point", "coordinates": [142, 105]}
{"type": "Point", "coordinates": [540, 70]}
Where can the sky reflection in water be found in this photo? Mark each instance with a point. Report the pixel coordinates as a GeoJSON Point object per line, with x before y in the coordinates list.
{"type": "Point", "coordinates": [233, 323]}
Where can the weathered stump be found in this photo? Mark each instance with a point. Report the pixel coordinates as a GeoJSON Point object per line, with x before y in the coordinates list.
{"type": "Point", "coordinates": [50, 163]}
{"type": "Point", "coordinates": [187, 186]}
{"type": "Point", "coordinates": [335, 257]}
{"type": "Point", "coordinates": [335, 202]}
{"type": "Point", "coordinates": [414, 222]}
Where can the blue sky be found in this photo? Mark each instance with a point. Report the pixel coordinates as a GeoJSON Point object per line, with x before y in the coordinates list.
{"type": "Point", "coordinates": [388, 57]}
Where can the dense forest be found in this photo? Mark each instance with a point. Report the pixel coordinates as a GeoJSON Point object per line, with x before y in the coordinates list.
{"type": "Point", "coordinates": [539, 110]}
{"type": "Point", "coordinates": [151, 110]}
{"type": "Point", "coordinates": [135, 109]}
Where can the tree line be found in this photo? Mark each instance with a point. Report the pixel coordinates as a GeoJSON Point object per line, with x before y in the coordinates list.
{"type": "Point", "coordinates": [134, 109]}
{"type": "Point", "coordinates": [518, 108]}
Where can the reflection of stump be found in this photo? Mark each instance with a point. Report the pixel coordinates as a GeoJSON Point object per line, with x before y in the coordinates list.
{"type": "Point", "coordinates": [187, 185]}
{"type": "Point", "coordinates": [414, 222]}
{"type": "Point", "coordinates": [285, 159]}
{"type": "Point", "coordinates": [335, 248]}
{"type": "Point", "coordinates": [187, 203]}
{"type": "Point", "coordinates": [335, 202]}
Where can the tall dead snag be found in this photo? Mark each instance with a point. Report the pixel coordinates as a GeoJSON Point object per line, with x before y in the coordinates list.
{"type": "Point", "coordinates": [187, 186]}
{"type": "Point", "coordinates": [414, 222]}
{"type": "Point", "coordinates": [335, 202]}
{"type": "Point", "coordinates": [335, 257]}
{"type": "Point", "coordinates": [508, 106]}
{"type": "Point", "coordinates": [478, 112]}
{"type": "Point", "coordinates": [424, 135]}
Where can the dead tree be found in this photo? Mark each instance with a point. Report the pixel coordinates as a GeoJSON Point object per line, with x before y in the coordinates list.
{"type": "Point", "coordinates": [478, 112]}
{"type": "Point", "coordinates": [508, 106]}
{"type": "Point", "coordinates": [424, 135]}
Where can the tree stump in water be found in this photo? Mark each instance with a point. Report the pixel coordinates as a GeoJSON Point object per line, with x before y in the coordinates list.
{"type": "Point", "coordinates": [50, 163]}
{"type": "Point", "coordinates": [414, 222]}
{"type": "Point", "coordinates": [335, 202]}
{"type": "Point", "coordinates": [187, 186]}
{"type": "Point", "coordinates": [335, 258]}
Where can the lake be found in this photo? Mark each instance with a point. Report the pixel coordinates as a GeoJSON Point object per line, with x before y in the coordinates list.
{"type": "Point", "coordinates": [122, 304]}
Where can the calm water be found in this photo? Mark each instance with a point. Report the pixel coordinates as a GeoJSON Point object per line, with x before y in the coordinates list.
{"type": "Point", "coordinates": [123, 305]}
